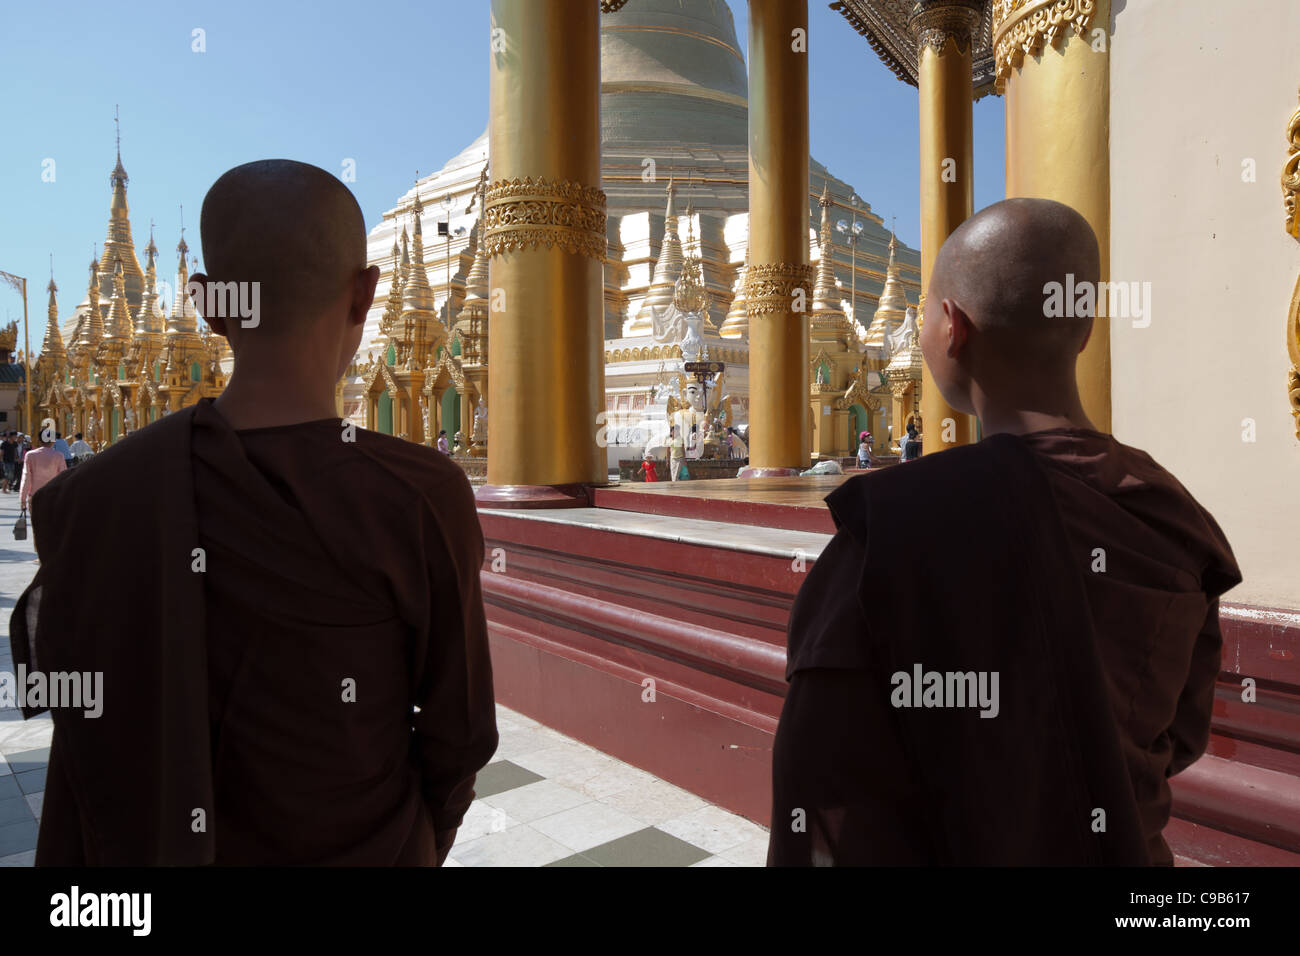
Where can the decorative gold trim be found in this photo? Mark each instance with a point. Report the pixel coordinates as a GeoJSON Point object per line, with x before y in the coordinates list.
{"type": "Point", "coordinates": [1291, 177]}
{"type": "Point", "coordinates": [1025, 27]}
{"type": "Point", "coordinates": [522, 213]}
{"type": "Point", "coordinates": [769, 287]}
{"type": "Point", "coordinates": [940, 21]}
{"type": "Point", "coordinates": [611, 6]}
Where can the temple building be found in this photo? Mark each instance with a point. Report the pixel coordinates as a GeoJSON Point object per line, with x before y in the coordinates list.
{"type": "Point", "coordinates": [674, 101]}
{"type": "Point", "coordinates": [120, 361]}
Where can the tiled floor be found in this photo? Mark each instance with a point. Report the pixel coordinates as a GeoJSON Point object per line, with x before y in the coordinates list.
{"type": "Point", "coordinates": [548, 800]}
{"type": "Point", "coordinates": [545, 800]}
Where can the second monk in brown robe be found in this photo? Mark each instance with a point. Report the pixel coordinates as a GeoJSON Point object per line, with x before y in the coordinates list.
{"type": "Point", "coordinates": [1007, 648]}
{"type": "Point", "coordinates": [286, 608]}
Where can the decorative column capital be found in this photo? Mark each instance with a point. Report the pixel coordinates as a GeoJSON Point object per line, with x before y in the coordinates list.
{"type": "Point", "coordinates": [1024, 27]}
{"type": "Point", "coordinates": [523, 213]}
{"type": "Point", "coordinates": [935, 22]}
{"type": "Point", "coordinates": [770, 287]}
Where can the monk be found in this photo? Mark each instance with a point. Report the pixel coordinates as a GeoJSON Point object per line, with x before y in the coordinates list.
{"type": "Point", "coordinates": [1007, 648]}
{"type": "Point", "coordinates": [285, 608]}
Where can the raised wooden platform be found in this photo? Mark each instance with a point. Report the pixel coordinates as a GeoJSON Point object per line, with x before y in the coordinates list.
{"type": "Point", "coordinates": [795, 504]}
{"type": "Point", "coordinates": [653, 633]}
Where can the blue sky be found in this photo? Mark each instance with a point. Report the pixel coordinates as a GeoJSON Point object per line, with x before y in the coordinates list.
{"type": "Point", "coordinates": [395, 85]}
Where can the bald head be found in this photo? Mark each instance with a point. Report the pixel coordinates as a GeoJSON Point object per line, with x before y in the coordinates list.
{"type": "Point", "coordinates": [294, 229]}
{"type": "Point", "coordinates": [999, 263]}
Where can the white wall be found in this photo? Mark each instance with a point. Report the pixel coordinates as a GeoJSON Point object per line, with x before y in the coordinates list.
{"type": "Point", "coordinates": [1198, 87]}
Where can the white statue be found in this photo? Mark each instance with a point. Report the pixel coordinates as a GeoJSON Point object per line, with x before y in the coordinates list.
{"type": "Point", "coordinates": [130, 417]}
{"type": "Point", "coordinates": [821, 374]}
{"type": "Point", "coordinates": [905, 336]}
{"type": "Point", "coordinates": [692, 343]}
{"type": "Point", "coordinates": [480, 422]}
{"type": "Point", "coordinates": [424, 416]}
{"type": "Point", "coordinates": [667, 324]}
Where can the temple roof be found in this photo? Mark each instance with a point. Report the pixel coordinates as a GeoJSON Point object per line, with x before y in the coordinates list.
{"type": "Point", "coordinates": [884, 24]}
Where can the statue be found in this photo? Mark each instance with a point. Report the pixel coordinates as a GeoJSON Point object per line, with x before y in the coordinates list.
{"type": "Point", "coordinates": [693, 420]}
{"type": "Point", "coordinates": [692, 344]}
{"type": "Point", "coordinates": [424, 416]}
{"type": "Point", "coordinates": [821, 374]}
{"type": "Point", "coordinates": [129, 416]}
{"type": "Point", "coordinates": [480, 423]}
{"type": "Point", "coordinates": [458, 443]}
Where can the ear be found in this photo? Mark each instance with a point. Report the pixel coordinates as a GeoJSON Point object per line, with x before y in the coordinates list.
{"type": "Point", "coordinates": [363, 294]}
{"type": "Point", "coordinates": [198, 282]}
{"type": "Point", "coordinates": [959, 327]}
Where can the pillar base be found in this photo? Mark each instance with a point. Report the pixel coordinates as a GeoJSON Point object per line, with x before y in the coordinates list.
{"type": "Point", "coordinates": [751, 471]}
{"type": "Point", "coordinates": [533, 496]}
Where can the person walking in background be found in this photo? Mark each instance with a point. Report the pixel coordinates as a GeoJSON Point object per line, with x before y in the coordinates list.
{"type": "Point", "coordinates": [40, 465]}
{"type": "Point", "coordinates": [864, 450]}
{"type": "Point", "coordinates": [9, 457]}
{"type": "Point", "coordinates": [61, 446]}
{"type": "Point", "coordinates": [442, 442]}
{"type": "Point", "coordinates": [911, 447]}
{"type": "Point", "coordinates": [81, 449]}
{"type": "Point", "coordinates": [676, 454]}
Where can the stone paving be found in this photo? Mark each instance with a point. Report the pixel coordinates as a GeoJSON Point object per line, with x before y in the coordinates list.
{"type": "Point", "coordinates": [545, 800]}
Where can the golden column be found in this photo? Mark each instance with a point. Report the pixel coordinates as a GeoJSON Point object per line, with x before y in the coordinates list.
{"type": "Point", "coordinates": [944, 31]}
{"type": "Point", "coordinates": [545, 236]}
{"type": "Point", "coordinates": [1053, 64]}
{"type": "Point", "coordinates": [778, 281]}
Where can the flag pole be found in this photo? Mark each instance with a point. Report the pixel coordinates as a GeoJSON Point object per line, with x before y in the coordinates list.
{"type": "Point", "coordinates": [27, 364]}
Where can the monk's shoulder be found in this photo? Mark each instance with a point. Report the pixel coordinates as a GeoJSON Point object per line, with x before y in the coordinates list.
{"type": "Point", "coordinates": [125, 465]}
{"type": "Point", "coordinates": [915, 488]}
{"type": "Point", "coordinates": [420, 468]}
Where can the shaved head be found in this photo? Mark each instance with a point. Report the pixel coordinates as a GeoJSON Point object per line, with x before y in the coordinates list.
{"type": "Point", "coordinates": [998, 264]}
{"type": "Point", "coordinates": [294, 229]}
{"type": "Point", "coordinates": [994, 334]}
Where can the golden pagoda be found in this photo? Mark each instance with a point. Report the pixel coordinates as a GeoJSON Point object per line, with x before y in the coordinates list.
{"type": "Point", "coordinates": [889, 312]}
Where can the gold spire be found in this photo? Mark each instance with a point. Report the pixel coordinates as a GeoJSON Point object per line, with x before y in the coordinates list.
{"type": "Point", "coordinates": [52, 348]}
{"type": "Point", "coordinates": [144, 318]}
{"type": "Point", "coordinates": [736, 324]}
{"type": "Point", "coordinates": [92, 329]}
{"type": "Point", "coordinates": [119, 245]}
{"type": "Point", "coordinates": [118, 326]}
{"type": "Point", "coordinates": [474, 312]}
{"type": "Point", "coordinates": [825, 298]}
{"type": "Point", "coordinates": [183, 319]}
{"type": "Point", "coordinates": [417, 296]}
{"type": "Point", "coordinates": [892, 306]}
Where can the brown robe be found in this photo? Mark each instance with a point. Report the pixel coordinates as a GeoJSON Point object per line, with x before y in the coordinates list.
{"type": "Point", "coordinates": [982, 559]}
{"type": "Point", "coordinates": [315, 680]}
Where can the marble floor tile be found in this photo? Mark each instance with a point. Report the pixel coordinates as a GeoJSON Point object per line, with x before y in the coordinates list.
{"type": "Point", "coordinates": [654, 802]}
{"type": "Point", "coordinates": [518, 846]}
{"type": "Point", "coordinates": [712, 828]}
{"type": "Point", "coordinates": [536, 800]}
{"type": "Point", "coordinates": [562, 759]}
{"type": "Point", "coordinates": [587, 826]}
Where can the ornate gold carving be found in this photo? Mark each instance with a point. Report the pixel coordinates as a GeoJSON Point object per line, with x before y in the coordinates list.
{"type": "Point", "coordinates": [611, 6]}
{"type": "Point", "coordinates": [770, 287]}
{"type": "Point", "coordinates": [938, 21]}
{"type": "Point", "coordinates": [522, 213]}
{"type": "Point", "coordinates": [1024, 27]}
{"type": "Point", "coordinates": [1291, 176]}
